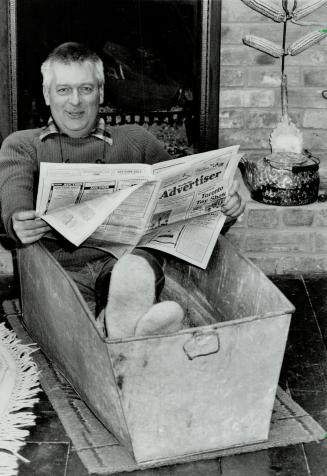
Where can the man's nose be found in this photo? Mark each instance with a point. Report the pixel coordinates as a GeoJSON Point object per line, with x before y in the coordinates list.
{"type": "Point", "coordinates": [74, 97]}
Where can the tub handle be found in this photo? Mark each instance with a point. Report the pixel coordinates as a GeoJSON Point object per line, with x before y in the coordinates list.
{"type": "Point", "coordinates": [201, 344]}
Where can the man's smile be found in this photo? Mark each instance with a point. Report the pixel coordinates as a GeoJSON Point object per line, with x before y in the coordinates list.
{"type": "Point", "coordinates": [75, 114]}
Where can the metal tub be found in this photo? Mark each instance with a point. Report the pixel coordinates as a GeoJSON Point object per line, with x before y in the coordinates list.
{"type": "Point", "coordinates": [210, 386]}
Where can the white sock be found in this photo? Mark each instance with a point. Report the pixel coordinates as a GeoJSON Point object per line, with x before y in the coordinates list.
{"type": "Point", "coordinates": [162, 318]}
{"type": "Point", "coordinates": [131, 295]}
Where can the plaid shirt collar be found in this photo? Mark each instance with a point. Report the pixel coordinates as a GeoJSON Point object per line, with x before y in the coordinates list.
{"type": "Point", "coordinates": [99, 131]}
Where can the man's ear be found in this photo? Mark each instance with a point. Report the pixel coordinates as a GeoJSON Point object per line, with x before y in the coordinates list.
{"type": "Point", "coordinates": [101, 89]}
{"type": "Point", "coordinates": [46, 95]}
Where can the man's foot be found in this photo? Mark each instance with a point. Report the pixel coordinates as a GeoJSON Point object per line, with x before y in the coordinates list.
{"type": "Point", "coordinates": [131, 295]}
{"type": "Point", "coordinates": [162, 318]}
{"type": "Point", "coordinates": [130, 310]}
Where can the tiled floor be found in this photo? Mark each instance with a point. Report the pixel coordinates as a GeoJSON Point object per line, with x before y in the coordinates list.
{"type": "Point", "coordinates": [304, 374]}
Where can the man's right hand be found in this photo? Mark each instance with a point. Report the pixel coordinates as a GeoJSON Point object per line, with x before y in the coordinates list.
{"type": "Point", "coordinates": [28, 227]}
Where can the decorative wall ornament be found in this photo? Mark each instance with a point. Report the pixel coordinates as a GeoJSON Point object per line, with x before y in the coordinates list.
{"type": "Point", "coordinates": [289, 176]}
{"type": "Point", "coordinates": [286, 136]}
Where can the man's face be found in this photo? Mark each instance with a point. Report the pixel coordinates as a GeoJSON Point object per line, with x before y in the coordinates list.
{"type": "Point", "coordinates": [74, 97]}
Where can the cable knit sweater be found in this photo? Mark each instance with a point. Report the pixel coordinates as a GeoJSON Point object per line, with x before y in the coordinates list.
{"type": "Point", "coordinates": [22, 152]}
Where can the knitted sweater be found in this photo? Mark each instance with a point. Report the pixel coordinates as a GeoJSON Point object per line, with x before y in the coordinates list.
{"type": "Point", "coordinates": [22, 152]}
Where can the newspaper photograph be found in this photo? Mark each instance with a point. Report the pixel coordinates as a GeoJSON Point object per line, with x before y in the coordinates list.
{"type": "Point", "coordinates": [191, 240]}
{"type": "Point", "coordinates": [173, 206]}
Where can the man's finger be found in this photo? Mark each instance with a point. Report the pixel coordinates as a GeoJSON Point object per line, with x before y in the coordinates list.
{"type": "Point", "coordinates": [234, 206]}
{"type": "Point", "coordinates": [21, 223]}
{"type": "Point", "coordinates": [30, 236]}
{"type": "Point", "coordinates": [235, 199]}
{"type": "Point", "coordinates": [31, 239]}
{"type": "Point", "coordinates": [30, 225]}
{"type": "Point", "coordinates": [235, 185]}
{"type": "Point", "coordinates": [25, 225]}
{"type": "Point", "coordinates": [236, 211]}
{"type": "Point", "coordinates": [24, 215]}
{"type": "Point", "coordinates": [33, 231]}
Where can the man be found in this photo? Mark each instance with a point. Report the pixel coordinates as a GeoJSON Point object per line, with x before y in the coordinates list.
{"type": "Point", "coordinates": [73, 83]}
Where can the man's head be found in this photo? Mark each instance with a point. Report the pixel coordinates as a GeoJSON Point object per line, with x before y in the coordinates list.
{"type": "Point", "coordinates": [73, 82]}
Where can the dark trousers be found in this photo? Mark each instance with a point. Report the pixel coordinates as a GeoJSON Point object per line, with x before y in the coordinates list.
{"type": "Point", "coordinates": [91, 270]}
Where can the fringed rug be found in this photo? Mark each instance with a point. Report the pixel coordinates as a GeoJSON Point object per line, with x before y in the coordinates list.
{"type": "Point", "coordinates": [19, 386]}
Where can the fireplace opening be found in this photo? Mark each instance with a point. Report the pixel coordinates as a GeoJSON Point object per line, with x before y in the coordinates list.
{"type": "Point", "coordinates": [150, 50]}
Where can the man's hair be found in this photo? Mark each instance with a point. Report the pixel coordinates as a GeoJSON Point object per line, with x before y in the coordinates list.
{"type": "Point", "coordinates": [68, 53]}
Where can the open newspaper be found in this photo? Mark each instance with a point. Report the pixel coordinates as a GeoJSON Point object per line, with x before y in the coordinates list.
{"type": "Point", "coordinates": [172, 206]}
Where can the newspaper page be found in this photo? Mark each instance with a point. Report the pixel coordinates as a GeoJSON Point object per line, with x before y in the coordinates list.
{"type": "Point", "coordinates": [187, 219]}
{"type": "Point", "coordinates": [80, 200]}
{"type": "Point", "coordinates": [191, 240]}
{"type": "Point", "coordinates": [174, 206]}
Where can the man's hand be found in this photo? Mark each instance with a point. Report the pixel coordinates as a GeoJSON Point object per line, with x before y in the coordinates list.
{"type": "Point", "coordinates": [235, 204]}
{"type": "Point", "coordinates": [28, 227]}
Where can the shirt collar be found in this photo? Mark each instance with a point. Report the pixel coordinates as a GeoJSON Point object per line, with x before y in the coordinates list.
{"type": "Point", "coordinates": [99, 131]}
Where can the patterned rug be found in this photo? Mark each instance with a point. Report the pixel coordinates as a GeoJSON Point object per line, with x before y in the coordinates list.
{"type": "Point", "coordinates": [18, 389]}
{"type": "Point", "coordinates": [101, 453]}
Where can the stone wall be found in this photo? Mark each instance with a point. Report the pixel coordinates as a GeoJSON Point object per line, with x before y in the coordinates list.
{"type": "Point", "coordinates": [278, 239]}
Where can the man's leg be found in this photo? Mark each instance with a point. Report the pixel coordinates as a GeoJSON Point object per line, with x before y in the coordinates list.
{"type": "Point", "coordinates": [131, 295]}
{"type": "Point", "coordinates": [83, 265]}
{"type": "Point", "coordinates": [156, 263]}
{"type": "Point", "coordinates": [128, 303]}
{"type": "Point", "coordinates": [129, 290]}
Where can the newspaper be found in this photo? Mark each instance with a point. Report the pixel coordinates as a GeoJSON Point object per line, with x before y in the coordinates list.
{"type": "Point", "coordinates": [172, 206]}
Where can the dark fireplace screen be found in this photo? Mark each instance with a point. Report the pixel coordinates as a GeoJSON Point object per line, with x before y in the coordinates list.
{"type": "Point", "coordinates": [155, 53]}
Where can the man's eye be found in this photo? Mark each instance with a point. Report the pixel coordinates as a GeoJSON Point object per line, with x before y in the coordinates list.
{"type": "Point", "coordinates": [63, 91]}
{"type": "Point", "coordinates": [86, 89]}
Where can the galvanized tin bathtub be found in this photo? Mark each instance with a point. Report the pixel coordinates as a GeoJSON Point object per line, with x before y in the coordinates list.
{"type": "Point", "coordinates": [208, 387]}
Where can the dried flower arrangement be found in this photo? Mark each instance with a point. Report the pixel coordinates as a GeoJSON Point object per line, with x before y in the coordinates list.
{"type": "Point", "coordinates": [286, 136]}
{"type": "Point", "coordinates": [289, 176]}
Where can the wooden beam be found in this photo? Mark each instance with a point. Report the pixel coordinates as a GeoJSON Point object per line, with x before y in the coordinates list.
{"type": "Point", "coordinates": [210, 73]}
{"type": "Point", "coordinates": [5, 126]}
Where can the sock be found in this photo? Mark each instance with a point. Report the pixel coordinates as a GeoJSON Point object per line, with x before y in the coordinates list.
{"type": "Point", "coordinates": [162, 318]}
{"type": "Point", "coordinates": [131, 295]}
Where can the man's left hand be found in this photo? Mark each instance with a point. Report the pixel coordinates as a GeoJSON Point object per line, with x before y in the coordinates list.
{"type": "Point", "coordinates": [234, 205]}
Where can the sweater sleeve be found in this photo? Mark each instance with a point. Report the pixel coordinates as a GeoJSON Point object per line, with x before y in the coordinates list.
{"type": "Point", "coordinates": [17, 171]}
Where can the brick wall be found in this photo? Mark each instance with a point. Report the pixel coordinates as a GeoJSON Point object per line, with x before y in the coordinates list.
{"type": "Point", "coordinates": [278, 239]}
{"type": "Point", "coordinates": [283, 240]}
